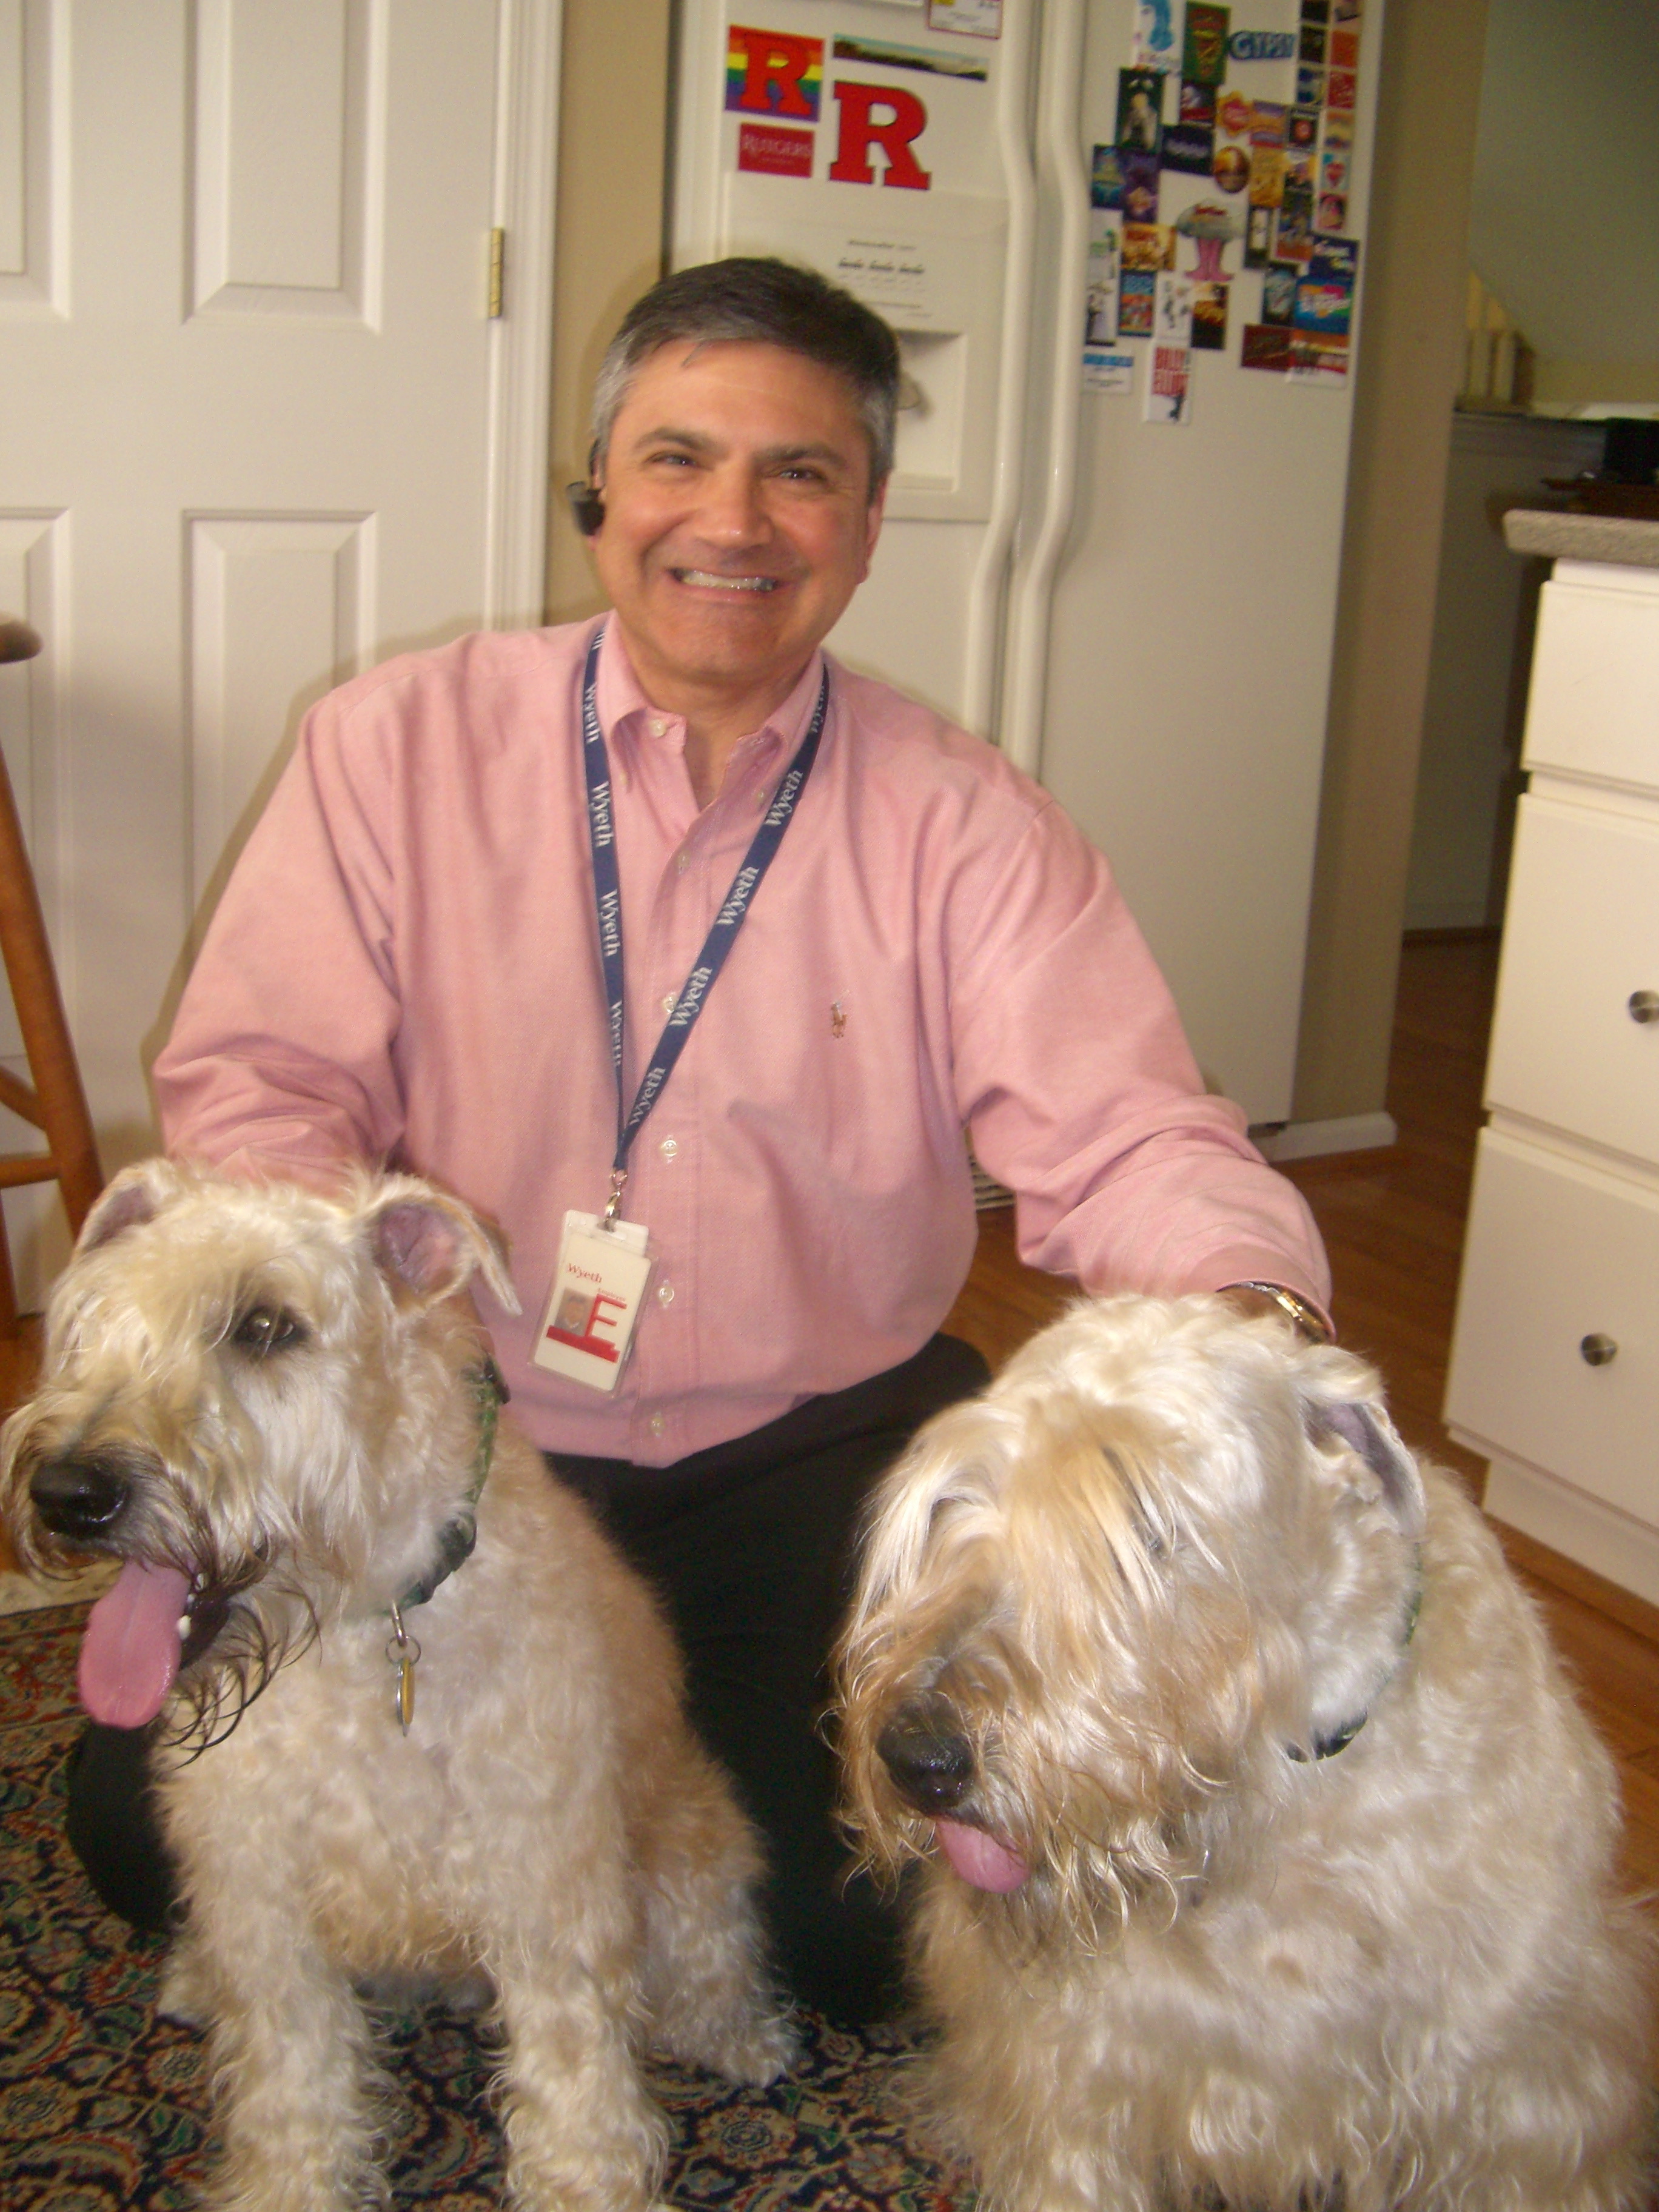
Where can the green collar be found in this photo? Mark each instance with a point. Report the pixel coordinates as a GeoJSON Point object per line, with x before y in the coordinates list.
{"type": "Point", "coordinates": [1327, 1747]}
{"type": "Point", "coordinates": [461, 1532]}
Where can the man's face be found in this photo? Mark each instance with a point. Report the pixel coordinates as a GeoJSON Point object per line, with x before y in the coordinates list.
{"type": "Point", "coordinates": [738, 519]}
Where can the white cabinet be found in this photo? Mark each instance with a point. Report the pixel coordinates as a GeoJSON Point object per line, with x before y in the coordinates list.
{"type": "Point", "coordinates": [1554, 1372]}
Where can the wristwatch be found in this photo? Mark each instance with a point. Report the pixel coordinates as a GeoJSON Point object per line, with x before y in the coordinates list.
{"type": "Point", "coordinates": [1307, 1318]}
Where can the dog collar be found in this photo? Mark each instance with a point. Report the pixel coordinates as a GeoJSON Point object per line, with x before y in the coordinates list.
{"type": "Point", "coordinates": [461, 1532]}
{"type": "Point", "coordinates": [1327, 1747]}
{"type": "Point", "coordinates": [455, 1539]}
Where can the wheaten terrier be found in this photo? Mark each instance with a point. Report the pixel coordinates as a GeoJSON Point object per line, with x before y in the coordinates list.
{"type": "Point", "coordinates": [442, 1720]}
{"type": "Point", "coordinates": [1266, 1860]}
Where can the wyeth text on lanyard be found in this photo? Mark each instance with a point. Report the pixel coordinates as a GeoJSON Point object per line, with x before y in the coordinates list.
{"type": "Point", "coordinates": [607, 895]}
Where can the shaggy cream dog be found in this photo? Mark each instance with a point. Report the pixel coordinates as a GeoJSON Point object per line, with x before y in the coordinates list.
{"type": "Point", "coordinates": [442, 1719]}
{"type": "Point", "coordinates": [1266, 1858]}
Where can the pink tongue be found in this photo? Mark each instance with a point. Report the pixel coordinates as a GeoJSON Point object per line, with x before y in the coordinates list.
{"type": "Point", "coordinates": [979, 1858]}
{"type": "Point", "coordinates": [130, 1652]}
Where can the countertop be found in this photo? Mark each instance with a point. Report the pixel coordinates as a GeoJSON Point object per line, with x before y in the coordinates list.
{"type": "Point", "coordinates": [1564, 536]}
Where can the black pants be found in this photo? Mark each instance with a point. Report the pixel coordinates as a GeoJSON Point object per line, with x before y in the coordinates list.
{"type": "Point", "coordinates": [750, 1546]}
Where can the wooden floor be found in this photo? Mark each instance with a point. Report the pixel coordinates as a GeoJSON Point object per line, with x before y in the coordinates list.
{"type": "Point", "coordinates": [1393, 1223]}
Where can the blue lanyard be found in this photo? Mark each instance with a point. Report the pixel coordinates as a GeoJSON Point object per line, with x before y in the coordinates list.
{"type": "Point", "coordinates": [607, 894]}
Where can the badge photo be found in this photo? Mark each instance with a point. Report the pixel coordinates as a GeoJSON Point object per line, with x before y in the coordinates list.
{"type": "Point", "coordinates": [599, 1286]}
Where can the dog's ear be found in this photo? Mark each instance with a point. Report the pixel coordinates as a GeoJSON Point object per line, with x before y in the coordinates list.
{"type": "Point", "coordinates": [1356, 1417]}
{"type": "Point", "coordinates": [127, 1200]}
{"type": "Point", "coordinates": [429, 1245]}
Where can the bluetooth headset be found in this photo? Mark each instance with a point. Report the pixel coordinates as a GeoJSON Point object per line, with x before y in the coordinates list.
{"type": "Point", "coordinates": [586, 499]}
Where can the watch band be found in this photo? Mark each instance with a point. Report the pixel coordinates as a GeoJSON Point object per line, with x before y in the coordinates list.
{"type": "Point", "coordinates": [1307, 1318]}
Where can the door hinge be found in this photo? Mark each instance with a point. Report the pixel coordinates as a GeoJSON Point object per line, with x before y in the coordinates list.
{"type": "Point", "coordinates": [497, 270]}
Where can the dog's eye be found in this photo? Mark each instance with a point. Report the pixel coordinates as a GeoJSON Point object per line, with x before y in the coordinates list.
{"type": "Point", "coordinates": [264, 1330]}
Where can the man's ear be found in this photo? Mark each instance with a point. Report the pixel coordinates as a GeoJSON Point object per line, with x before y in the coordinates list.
{"type": "Point", "coordinates": [872, 524]}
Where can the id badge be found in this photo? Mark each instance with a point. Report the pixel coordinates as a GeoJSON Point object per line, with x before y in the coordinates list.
{"type": "Point", "coordinates": [599, 1287]}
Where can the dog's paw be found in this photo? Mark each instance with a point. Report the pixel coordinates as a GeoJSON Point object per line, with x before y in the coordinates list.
{"type": "Point", "coordinates": [769, 2050]}
{"type": "Point", "coordinates": [183, 1996]}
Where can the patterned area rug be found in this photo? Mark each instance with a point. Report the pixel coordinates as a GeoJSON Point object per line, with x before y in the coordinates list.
{"type": "Point", "coordinates": [104, 2108]}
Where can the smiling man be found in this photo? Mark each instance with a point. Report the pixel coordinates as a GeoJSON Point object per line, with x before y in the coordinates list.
{"type": "Point", "coordinates": [669, 917]}
{"type": "Point", "coordinates": [741, 516]}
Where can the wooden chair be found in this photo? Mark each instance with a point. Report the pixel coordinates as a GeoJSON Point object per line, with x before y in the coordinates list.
{"type": "Point", "coordinates": [55, 1104]}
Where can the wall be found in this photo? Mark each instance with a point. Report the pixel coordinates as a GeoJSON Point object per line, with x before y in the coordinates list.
{"type": "Point", "coordinates": [1409, 368]}
{"type": "Point", "coordinates": [1468, 773]}
{"type": "Point", "coordinates": [1564, 214]}
{"type": "Point", "coordinates": [1633, 383]}
{"type": "Point", "coordinates": [613, 145]}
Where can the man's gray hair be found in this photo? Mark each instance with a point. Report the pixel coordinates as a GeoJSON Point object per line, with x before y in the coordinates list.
{"type": "Point", "coordinates": [761, 302]}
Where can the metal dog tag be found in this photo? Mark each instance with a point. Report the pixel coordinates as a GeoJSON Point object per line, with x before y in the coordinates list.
{"type": "Point", "coordinates": [402, 1652]}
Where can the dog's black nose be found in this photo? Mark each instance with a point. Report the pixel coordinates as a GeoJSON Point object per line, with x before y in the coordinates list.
{"type": "Point", "coordinates": [932, 1763]}
{"type": "Point", "coordinates": [79, 1498]}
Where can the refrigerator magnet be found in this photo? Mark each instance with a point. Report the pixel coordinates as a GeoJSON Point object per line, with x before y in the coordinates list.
{"type": "Point", "coordinates": [1172, 310]}
{"type": "Point", "coordinates": [1268, 165]}
{"type": "Point", "coordinates": [1204, 43]}
{"type": "Point", "coordinates": [1137, 294]}
{"type": "Point", "coordinates": [1155, 46]}
{"type": "Point", "coordinates": [1190, 148]}
{"type": "Point", "coordinates": [1140, 185]}
{"type": "Point", "coordinates": [1105, 179]}
{"type": "Point", "coordinates": [1235, 116]}
{"type": "Point", "coordinates": [1148, 246]}
{"type": "Point", "coordinates": [1108, 372]}
{"type": "Point", "coordinates": [1265, 345]}
{"type": "Point", "coordinates": [1258, 238]}
{"type": "Point", "coordinates": [1168, 385]}
{"type": "Point", "coordinates": [1334, 261]}
{"type": "Point", "coordinates": [1139, 111]}
{"type": "Point", "coordinates": [972, 18]}
{"type": "Point", "coordinates": [1211, 225]}
{"type": "Point", "coordinates": [1210, 318]}
{"type": "Point", "coordinates": [1278, 282]}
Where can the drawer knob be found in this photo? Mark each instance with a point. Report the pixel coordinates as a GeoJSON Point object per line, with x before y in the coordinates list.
{"type": "Point", "coordinates": [1645, 1005]}
{"type": "Point", "coordinates": [1597, 1350]}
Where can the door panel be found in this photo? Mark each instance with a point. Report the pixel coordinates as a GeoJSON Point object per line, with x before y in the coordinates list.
{"type": "Point", "coordinates": [253, 402]}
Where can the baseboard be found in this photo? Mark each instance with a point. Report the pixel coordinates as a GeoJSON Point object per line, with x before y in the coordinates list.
{"type": "Point", "coordinates": [1611, 1543]}
{"type": "Point", "coordinates": [989, 1195]}
{"type": "Point", "coordinates": [1308, 1141]}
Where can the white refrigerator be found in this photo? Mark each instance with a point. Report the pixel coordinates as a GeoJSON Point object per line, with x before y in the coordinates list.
{"type": "Point", "coordinates": [1122, 246]}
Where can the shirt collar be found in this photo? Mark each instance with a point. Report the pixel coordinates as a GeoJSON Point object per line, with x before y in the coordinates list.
{"type": "Point", "coordinates": [622, 703]}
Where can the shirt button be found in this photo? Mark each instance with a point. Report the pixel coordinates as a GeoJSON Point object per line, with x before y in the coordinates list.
{"type": "Point", "coordinates": [657, 728]}
{"type": "Point", "coordinates": [657, 1425]}
{"type": "Point", "coordinates": [761, 798]}
{"type": "Point", "coordinates": [670, 1002]}
{"type": "Point", "coordinates": [669, 1148]}
{"type": "Point", "coordinates": [664, 1294]}
{"type": "Point", "coordinates": [682, 862]}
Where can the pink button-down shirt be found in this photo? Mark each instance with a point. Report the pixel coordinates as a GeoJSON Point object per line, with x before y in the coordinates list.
{"type": "Point", "coordinates": [405, 966]}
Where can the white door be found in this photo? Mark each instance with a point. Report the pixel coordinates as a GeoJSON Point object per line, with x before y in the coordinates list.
{"type": "Point", "coordinates": [257, 431]}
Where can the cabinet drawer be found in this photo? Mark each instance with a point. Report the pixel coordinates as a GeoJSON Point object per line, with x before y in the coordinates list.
{"type": "Point", "coordinates": [1558, 1252]}
{"type": "Point", "coordinates": [1580, 936]}
{"type": "Point", "coordinates": [1593, 704]}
